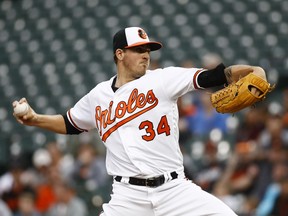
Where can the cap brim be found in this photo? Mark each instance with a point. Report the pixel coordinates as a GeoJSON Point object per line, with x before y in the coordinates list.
{"type": "Point", "coordinates": [153, 45]}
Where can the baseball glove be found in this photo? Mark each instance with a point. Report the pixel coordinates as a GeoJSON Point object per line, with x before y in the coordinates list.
{"type": "Point", "coordinates": [238, 95]}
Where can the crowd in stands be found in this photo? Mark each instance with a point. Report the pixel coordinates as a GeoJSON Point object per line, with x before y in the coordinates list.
{"type": "Point", "coordinates": [55, 183]}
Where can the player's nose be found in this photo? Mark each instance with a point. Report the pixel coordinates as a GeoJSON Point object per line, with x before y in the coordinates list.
{"type": "Point", "coordinates": [146, 56]}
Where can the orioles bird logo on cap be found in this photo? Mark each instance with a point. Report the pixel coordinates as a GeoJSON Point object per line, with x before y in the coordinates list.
{"type": "Point", "coordinates": [142, 34]}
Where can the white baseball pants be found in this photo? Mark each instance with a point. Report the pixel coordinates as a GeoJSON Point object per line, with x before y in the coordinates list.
{"type": "Point", "coordinates": [179, 197]}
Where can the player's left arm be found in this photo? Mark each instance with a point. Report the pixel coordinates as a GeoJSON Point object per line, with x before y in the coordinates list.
{"type": "Point", "coordinates": [246, 86]}
{"type": "Point", "coordinates": [235, 72]}
{"type": "Point", "coordinates": [222, 75]}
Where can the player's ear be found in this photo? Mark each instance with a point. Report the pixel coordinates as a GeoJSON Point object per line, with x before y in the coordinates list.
{"type": "Point", "coordinates": [119, 53]}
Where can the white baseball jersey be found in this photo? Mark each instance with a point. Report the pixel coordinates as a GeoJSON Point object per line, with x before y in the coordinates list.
{"type": "Point", "coordinates": [138, 123]}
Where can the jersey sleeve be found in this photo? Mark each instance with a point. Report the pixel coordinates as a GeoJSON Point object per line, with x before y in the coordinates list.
{"type": "Point", "coordinates": [177, 81]}
{"type": "Point", "coordinates": [80, 116]}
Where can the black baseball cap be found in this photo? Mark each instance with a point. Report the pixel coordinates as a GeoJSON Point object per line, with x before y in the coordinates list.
{"type": "Point", "coordinates": [132, 37]}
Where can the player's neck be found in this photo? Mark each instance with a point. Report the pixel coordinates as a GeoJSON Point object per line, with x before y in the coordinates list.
{"type": "Point", "coordinates": [120, 81]}
{"type": "Point", "coordinates": [115, 86]}
{"type": "Point", "coordinates": [123, 77]}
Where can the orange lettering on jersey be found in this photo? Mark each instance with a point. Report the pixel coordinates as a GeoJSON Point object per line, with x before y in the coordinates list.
{"type": "Point", "coordinates": [141, 101]}
{"type": "Point", "coordinates": [103, 118]}
{"type": "Point", "coordinates": [109, 119]}
{"type": "Point", "coordinates": [135, 100]}
{"type": "Point", "coordinates": [133, 97]}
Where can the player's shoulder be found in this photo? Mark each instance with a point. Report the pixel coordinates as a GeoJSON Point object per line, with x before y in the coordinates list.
{"type": "Point", "coordinates": [160, 70]}
{"type": "Point", "coordinates": [170, 69]}
{"type": "Point", "coordinates": [148, 72]}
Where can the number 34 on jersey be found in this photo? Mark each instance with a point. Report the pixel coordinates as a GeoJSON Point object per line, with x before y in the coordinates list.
{"type": "Point", "coordinates": [162, 127]}
{"type": "Point", "coordinates": [137, 104]}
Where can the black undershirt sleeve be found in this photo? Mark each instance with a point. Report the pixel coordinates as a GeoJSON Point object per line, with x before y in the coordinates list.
{"type": "Point", "coordinates": [212, 78]}
{"type": "Point", "coordinates": [70, 129]}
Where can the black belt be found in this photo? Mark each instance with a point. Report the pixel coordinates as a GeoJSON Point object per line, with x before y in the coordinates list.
{"type": "Point", "coordinates": [150, 182]}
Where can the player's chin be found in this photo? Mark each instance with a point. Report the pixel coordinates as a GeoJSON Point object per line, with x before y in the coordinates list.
{"type": "Point", "coordinates": [140, 73]}
{"type": "Point", "coordinates": [144, 66]}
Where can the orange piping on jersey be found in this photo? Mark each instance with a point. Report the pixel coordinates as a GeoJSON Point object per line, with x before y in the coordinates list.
{"type": "Point", "coordinates": [74, 124]}
{"type": "Point", "coordinates": [135, 100]}
{"type": "Point", "coordinates": [194, 79]}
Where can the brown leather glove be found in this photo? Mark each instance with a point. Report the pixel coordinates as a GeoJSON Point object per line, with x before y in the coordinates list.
{"type": "Point", "coordinates": [238, 95]}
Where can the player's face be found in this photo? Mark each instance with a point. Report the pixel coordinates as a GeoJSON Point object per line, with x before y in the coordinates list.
{"type": "Point", "coordinates": [137, 60]}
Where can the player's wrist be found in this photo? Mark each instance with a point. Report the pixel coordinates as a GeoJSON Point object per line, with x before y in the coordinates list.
{"type": "Point", "coordinates": [258, 71]}
{"type": "Point", "coordinates": [35, 119]}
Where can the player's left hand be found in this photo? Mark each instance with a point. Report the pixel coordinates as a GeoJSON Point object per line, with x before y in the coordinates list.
{"type": "Point", "coordinates": [241, 94]}
{"type": "Point", "coordinates": [256, 92]}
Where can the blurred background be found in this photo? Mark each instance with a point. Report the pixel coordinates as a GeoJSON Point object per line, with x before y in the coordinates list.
{"type": "Point", "coordinates": [54, 51]}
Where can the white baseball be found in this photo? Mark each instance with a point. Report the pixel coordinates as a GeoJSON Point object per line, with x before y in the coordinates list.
{"type": "Point", "coordinates": [21, 109]}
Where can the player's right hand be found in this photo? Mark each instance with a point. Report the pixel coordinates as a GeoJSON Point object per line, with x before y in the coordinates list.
{"type": "Point", "coordinates": [29, 118]}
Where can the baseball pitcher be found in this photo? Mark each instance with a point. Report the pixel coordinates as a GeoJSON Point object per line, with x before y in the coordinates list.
{"type": "Point", "coordinates": [136, 115]}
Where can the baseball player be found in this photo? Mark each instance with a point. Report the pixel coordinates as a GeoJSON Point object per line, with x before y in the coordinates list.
{"type": "Point", "coordinates": [136, 115]}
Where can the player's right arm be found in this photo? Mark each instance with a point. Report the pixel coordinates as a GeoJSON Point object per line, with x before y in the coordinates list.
{"type": "Point", "coordinates": [55, 123]}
